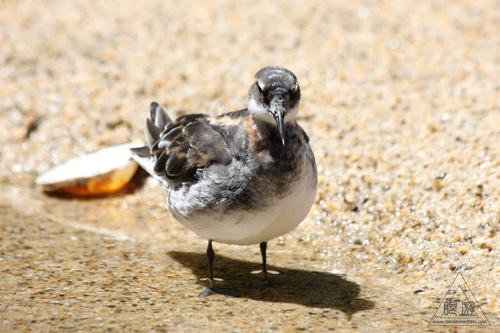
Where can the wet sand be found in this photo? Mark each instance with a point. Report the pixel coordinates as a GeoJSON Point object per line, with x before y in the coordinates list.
{"type": "Point", "coordinates": [401, 101]}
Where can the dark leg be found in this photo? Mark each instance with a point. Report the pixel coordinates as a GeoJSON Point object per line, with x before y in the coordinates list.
{"type": "Point", "coordinates": [211, 257]}
{"type": "Point", "coordinates": [213, 290]}
{"type": "Point", "coordinates": [263, 249]}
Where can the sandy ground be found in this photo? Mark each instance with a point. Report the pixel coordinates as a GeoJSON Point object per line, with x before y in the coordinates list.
{"type": "Point", "coordinates": [401, 100]}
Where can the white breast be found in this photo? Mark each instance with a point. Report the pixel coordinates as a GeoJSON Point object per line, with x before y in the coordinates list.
{"type": "Point", "coordinates": [244, 227]}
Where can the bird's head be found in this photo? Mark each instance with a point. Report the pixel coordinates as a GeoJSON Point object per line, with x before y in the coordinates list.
{"type": "Point", "coordinates": [275, 97]}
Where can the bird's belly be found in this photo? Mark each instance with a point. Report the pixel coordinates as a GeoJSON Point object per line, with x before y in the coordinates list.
{"type": "Point", "coordinates": [250, 226]}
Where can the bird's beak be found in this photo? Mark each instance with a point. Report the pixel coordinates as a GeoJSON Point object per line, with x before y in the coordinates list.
{"type": "Point", "coordinates": [278, 112]}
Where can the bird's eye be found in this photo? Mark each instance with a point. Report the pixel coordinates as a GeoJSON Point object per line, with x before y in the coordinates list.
{"type": "Point", "coordinates": [295, 87]}
{"type": "Point", "coordinates": [258, 87]}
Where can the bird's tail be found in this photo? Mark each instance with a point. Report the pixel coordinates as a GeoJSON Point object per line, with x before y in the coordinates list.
{"type": "Point", "coordinates": [155, 125]}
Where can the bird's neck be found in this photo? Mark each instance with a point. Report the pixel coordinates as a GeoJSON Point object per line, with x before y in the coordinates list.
{"type": "Point", "coordinates": [260, 131]}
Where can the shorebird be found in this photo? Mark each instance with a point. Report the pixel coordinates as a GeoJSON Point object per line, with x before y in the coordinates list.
{"type": "Point", "coordinates": [243, 177]}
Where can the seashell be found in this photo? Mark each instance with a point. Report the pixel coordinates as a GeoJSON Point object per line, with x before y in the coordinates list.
{"type": "Point", "coordinates": [100, 173]}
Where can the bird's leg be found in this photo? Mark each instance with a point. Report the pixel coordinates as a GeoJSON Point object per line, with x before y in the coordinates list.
{"type": "Point", "coordinates": [263, 249]}
{"type": "Point", "coordinates": [213, 290]}
{"type": "Point", "coordinates": [211, 257]}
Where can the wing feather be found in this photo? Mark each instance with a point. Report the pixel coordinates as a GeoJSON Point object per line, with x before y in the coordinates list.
{"type": "Point", "coordinates": [177, 150]}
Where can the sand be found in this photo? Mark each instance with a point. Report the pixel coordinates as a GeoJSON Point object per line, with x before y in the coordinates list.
{"type": "Point", "coordinates": [401, 101]}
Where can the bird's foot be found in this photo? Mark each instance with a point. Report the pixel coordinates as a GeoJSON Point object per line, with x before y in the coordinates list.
{"type": "Point", "coordinates": [224, 291]}
{"type": "Point", "coordinates": [267, 282]}
{"type": "Point", "coordinates": [268, 272]}
{"type": "Point", "coordinates": [208, 279]}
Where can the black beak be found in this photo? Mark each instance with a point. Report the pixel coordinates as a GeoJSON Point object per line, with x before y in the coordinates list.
{"type": "Point", "coordinates": [279, 117]}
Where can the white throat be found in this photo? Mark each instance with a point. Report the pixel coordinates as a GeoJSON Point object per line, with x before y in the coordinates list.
{"type": "Point", "coordinates": [261, 113]}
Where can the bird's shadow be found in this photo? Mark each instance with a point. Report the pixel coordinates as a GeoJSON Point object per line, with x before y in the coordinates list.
{"type": "Point", "coordinates": [297, 286]}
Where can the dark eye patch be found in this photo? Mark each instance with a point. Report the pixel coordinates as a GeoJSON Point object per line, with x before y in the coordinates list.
{"type": "Point", "coordinates": [258, 87]}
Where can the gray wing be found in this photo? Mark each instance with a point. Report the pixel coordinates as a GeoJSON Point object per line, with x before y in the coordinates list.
{"type": "Point", "coordinates": [177, 150]}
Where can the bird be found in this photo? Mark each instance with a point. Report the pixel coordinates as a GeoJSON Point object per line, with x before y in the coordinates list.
{"type": "Point", "coordinates": [242, 177]}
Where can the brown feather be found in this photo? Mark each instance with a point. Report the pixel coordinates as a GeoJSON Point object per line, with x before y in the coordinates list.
{"type": "Point", "coordinates": [188, 145]}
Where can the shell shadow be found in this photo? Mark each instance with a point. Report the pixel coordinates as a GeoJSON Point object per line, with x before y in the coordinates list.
{"type": "Point", "coordinates": [302, 287]}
